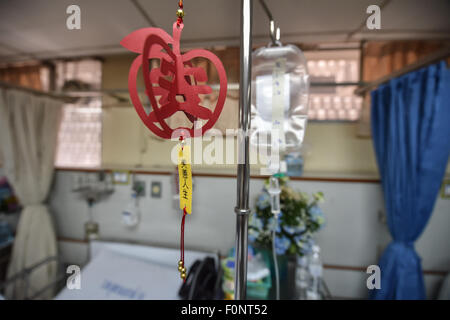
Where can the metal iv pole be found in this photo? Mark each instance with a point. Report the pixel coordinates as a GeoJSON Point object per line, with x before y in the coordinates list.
{"type": "Point", "coordinates": [242, 209]}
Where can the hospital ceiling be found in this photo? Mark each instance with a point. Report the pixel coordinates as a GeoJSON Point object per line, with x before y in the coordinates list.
{"type": "Point", "coordinates": [32, 30]}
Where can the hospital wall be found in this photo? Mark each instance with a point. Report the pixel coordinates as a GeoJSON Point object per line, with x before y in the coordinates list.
{"type": "Point", "coordinates": [351, 240]}
{"type": "Point", "coordinates": [332, 148]}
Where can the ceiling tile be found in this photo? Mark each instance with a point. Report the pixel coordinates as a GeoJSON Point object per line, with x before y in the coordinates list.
{"type": "Point", "coordinates": [409, 15]}
{"type": "Point", "coordinates": [40, 26]}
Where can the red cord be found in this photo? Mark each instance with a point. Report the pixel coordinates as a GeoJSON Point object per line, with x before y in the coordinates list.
{"type": "Point", "coordinates": [181, 140]}
{"type": "Point", "coordinates": [183, 220]}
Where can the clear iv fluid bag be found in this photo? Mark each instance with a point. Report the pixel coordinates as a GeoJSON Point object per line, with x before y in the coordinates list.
{"type": "Point", "coordinates": [280, 86]}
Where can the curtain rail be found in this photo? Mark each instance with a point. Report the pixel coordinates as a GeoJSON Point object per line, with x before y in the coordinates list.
{"type": "Point", "coordinates": [34, 91]}
{"type": "Point", "coordinates": [67, 96]}
{"type": "Point", "coordinates": [429, 59]}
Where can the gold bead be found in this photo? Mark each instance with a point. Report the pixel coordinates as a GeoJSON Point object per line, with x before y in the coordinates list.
{"type": "Point", "coordinates": [180, 263]}
{"type": "Point", "coordinates": [180, 13]}
{"type": "Point", "coordinates": [183, 270]}
{"type": "Point", "coordinates": [183, 275]}
{"type": "Point", "coordinates": [180, 268]}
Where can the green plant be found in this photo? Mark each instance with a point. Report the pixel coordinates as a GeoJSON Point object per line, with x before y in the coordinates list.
{"type": "Point", "coordinates": [299, 219]}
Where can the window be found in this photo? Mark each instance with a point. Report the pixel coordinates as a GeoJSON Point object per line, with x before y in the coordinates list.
{"type": "Point", "coordinates": [79, 138]}
{"type": "Point", "coordinates": [334, 74]}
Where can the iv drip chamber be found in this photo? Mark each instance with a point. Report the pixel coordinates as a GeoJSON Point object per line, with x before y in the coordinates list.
{"type": "Point", "coordinates": [274, 191]}
{"type": "Point", "coordinates": [279, 105]}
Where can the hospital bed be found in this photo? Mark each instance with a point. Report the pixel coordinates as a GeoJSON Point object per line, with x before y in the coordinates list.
{"type": "Point", "coordinates": [122, 271]}
{"type": "Point", "coordinates": [131, 271]}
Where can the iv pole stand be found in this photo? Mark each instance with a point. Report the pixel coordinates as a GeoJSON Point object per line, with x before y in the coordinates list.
{"type": "Point", "coordinates": [242, 209]}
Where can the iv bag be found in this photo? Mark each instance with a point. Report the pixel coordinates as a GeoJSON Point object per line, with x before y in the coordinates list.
{"type": "Point", "coordinates": [280, 86]}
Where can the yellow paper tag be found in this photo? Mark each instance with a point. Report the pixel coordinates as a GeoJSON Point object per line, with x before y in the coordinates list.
{"type": "Point", "coordinates": [185, 178]}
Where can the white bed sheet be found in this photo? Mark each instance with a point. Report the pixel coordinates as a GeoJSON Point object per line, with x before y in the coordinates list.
{"type": "Point", "coordinates": [119, 271]}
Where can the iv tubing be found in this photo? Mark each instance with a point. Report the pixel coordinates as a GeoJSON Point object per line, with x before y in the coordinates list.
{"type": "Point", "coordinates": [275, 264]}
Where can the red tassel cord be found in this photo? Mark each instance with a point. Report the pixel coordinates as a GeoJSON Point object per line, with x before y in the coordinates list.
{"type": "Point", "coordinates": [181, 267]}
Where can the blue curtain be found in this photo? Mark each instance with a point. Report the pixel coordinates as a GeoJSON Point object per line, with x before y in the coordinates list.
{"type": "Point", "coordinates": [411, 137]}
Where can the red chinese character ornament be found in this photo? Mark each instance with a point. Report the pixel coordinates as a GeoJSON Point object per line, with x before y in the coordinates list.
{"type": "Point", "coordinates": [172, 87]}
{"type": "Point", "coordinates": [172, 81]}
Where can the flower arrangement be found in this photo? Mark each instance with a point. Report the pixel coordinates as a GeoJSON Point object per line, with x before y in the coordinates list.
{"type": "Point", "coordinates": [299, 219]}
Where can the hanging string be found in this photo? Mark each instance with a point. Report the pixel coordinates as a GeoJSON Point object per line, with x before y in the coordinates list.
{"type": "Point", "coordinates": [181, 267]}
{"type": "Point", "coordinates": [182, 141]}
{"type": "Point", "coordinates": [180, 13]}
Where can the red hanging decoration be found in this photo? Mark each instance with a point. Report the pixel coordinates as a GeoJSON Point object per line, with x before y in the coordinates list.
{"type": "Point", "coordinates": [175, 83]}
{"type": "Point", "coordinates": [176, 79]}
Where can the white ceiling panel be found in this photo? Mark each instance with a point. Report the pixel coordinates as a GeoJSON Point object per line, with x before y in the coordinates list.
{"type": "Point", "coordinates": [40, 26]}
{"type": "Point", "coordinates": [204, 19]}
{"type": "Point", "coordinates": [37, 29]}
{"type": "Point", "coordinates": [217, 20]}
{"type": "Point", "coordinates": [419, 15]}
{"type": "Point", "coordinates": [314, 16]}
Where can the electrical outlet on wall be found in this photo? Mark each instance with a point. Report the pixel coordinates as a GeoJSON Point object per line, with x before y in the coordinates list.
{"type": "Point", "coordinates": [156, 189]}
{"type": "Point", "coordinates": [139, 188]}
